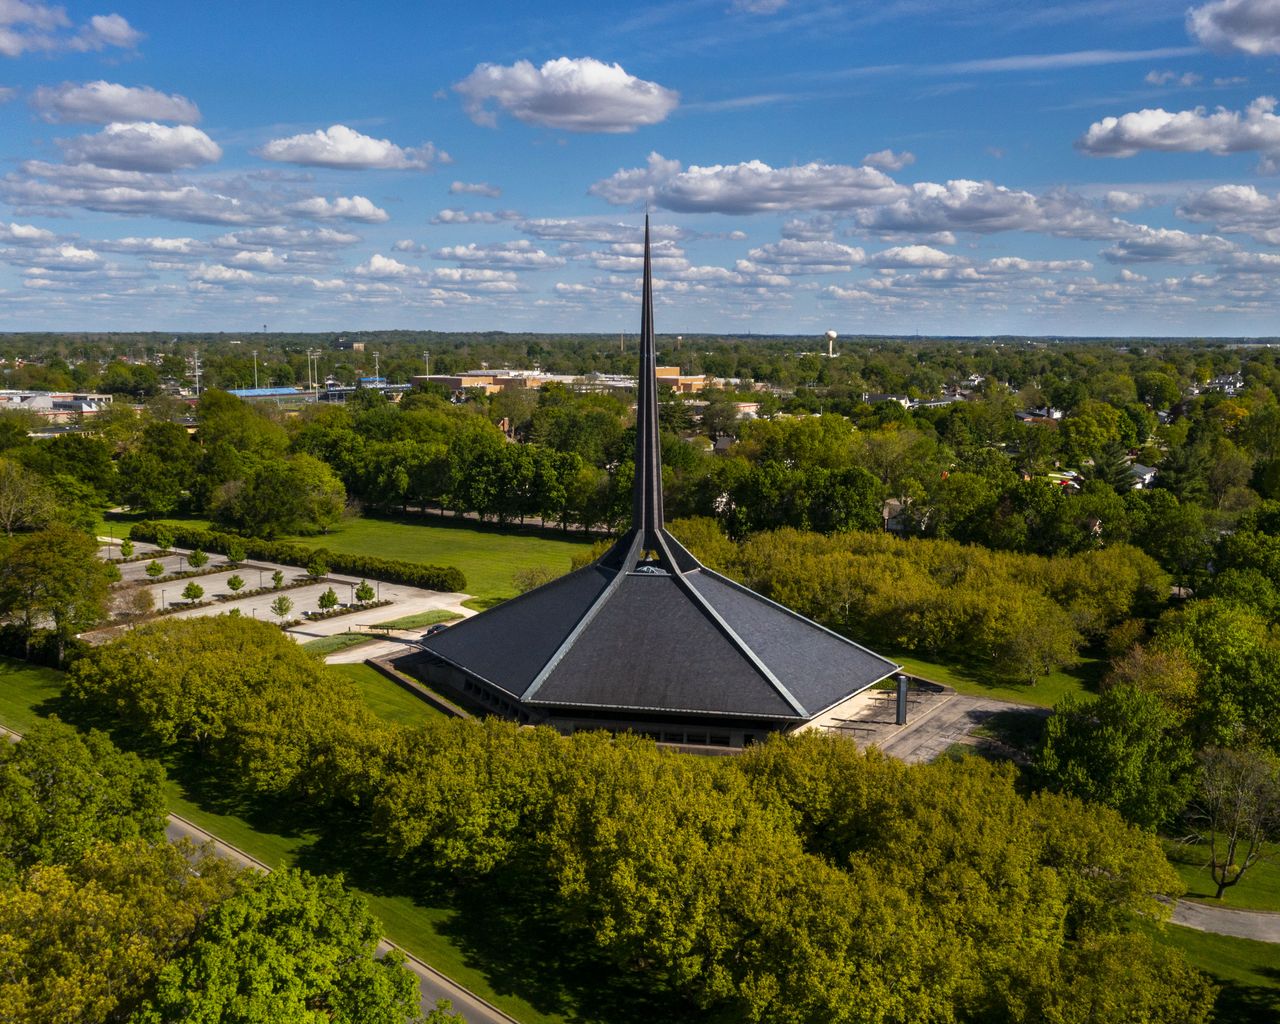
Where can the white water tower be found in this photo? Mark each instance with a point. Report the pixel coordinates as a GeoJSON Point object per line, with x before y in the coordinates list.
{"type": "Point", "coordinates": [831, 344]}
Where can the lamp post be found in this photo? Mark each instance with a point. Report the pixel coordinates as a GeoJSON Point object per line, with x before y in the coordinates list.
{"type": "Point", "coordinates": [353, 592]}
{"type": "Point", "coordinates": [260, 575]}
{"type": "Point", "coordinates": [162, 604]}
{"type": "Point", "coordinates": [255, 369]}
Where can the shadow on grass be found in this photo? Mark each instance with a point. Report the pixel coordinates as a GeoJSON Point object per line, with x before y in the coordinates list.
{"type": "Point", "coordinates": [1251, 1004]}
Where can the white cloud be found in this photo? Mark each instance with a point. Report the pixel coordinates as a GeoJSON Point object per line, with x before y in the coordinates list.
{"type": "Point", "coordinates": [796, 256]}
{"type": "Point", "coordinates": [278, 235]}
{"type": "Point", "coordinates": [574, 94]}
{"type": "Point", "coordinates": [913, 256]}
{"type": "Point", "coordinates": [1147, 245]}
{"type": "Point", "coordinates": [40, 28]}
{"type": "Point", "coordinates": [449, 216]}
{"type": "Point", "coordinates": [1187, 131]}
{"type": "Point", "coordinates": [142, 146]}
{"type": "Point", "coordinates": [1236, 208]}
{"type": "Point", "coordinates": [378, 266]}
{"type": "Point", "coordinates": [152, 246]}
{"type": "Point", "coordinates": [888, 160]}
{"type": "Point", "coordinates": [475, 188]}
{"type": "Point", "coordinates": [1250, 26]}
{"type": "Point", "coordinates": [1187, 78]}
{"type": "Point", "coordinates": [1124, 202]}
{"type": "Point", "coordinates": [517, 255]}
{"type": "Point", "coordinates": [342, 208]}
{"type": "Point", "coordinates": [343, 147]}
{"type": "Point", "coordinates": [218, 274]}
{"type": "Point", "coordinates": [568, 230]}
{"type": "Point", "coordinates": [758, 6]}
{"type": "Point", "coordinates": [68, 257]}
{"type": "Point", "coordinates": [24, 234]}
{"type": "Point", "coordinates": [984, 207]}
{"type": "Point", "coordinates": [751, 187]}
{"type": "Point", "coordinates": [104, 102]}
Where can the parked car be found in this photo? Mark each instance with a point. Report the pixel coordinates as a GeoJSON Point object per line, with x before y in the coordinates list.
{"type": "Point", "coordinates": [439, 627]}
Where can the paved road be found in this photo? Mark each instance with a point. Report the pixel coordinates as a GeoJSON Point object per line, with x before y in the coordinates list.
{"type": "Point", "coordinates": [1243, 924]}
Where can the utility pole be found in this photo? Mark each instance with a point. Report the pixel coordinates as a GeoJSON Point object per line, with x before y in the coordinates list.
{"type": "Point", "coordinates": [255, 369]}
{"type": "Point", "coordinates": [197, 373]}
{"type": "Point", "coordinates": [426, 361]}
{"type": "Point", "coordinates": [376, 374]}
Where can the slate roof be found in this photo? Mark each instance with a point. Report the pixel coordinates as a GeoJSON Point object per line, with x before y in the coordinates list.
{"type": "Point", "coordinates": [648, 629]}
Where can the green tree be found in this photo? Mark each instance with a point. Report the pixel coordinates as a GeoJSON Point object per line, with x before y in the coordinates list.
{"type": "Point", "coordinates": [289, 947]}
{"type": "Point", "coordinates": [197, 558]}
{"type": "Point", "coordinates": [317, 568]}
{"type": "Point", "coordinates": [26, 501]}
{"type": "Point", "coordinates": [281, 607]}
{"type": "Point", "coordinates": [1237, 809]}
{"type": "Point", "coordinates": [235, 583]}
{"type": "Point", "coordinates": [328, 600]}
{"type": "Point", "coordinates": [277, 579]}
{"type": "Point", "coordinates": [126, 548]}
{"type": "Point", "coordinates": [364, 592]}
{"type": "Point", "coordinates": [1125, 749]}
{"type": "Point", "coordinates": [62, 791]}
{"type": "Point", "coordinates": [164, 538]}
{"type": "Point", "coordinates": [154, 569]}
{"type": "Point", "coordinates": [193, 591]}
{"type": "Point", "coordinates": [235, 552]}
{"type": "Point", "coordinates": [54, 577]}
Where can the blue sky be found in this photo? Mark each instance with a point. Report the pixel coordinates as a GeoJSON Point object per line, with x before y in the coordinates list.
{"type": "Point", "coordinates": [969, 167]}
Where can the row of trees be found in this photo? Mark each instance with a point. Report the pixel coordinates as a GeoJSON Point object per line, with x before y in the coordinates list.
{"type": "Point", "coordinates": [103, 921]}
{"type": "Point", "coordinates": [803, 881]}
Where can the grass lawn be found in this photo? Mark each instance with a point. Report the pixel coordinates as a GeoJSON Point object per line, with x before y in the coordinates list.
{"type": "Point", "coordinates": [323, 645]}
{"type": "Point", "coordinates": [1258, 890]}
{"type": "Point", "coordinates": [1047, 691]}
{"type": "Point", "coordinates": [429, 618]}
{"type": "Point", "coordinates": [1249, 972]}
{"type": "Point", "coordinates": [489, 557]}
{"type": "Point", "coordinates": [23, 688]}
{"type": "Point", "coordinates": [384, 698]}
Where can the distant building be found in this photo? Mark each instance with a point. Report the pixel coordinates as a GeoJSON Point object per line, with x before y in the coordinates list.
{"type": "Point", "coordinates": [55, 406]}
{"type": "Point", "coordinates": [1143, 476]}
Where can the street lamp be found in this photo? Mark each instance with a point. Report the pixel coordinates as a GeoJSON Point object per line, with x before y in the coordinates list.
{"type": "Point", "coordinates": [353, 592]}
{"type": "Point", "coordinates": [260, 583]}
{"type": "Point", "coordinates": [162, 604]}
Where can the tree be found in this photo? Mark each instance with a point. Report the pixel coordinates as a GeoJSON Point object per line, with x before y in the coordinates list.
{"type": "Point", "coordinates": [317, 568]}
{"type": "Point", "coordinates": [25, 499]}
{"type": "Point", "coordinates": [62, 791]}
{"type": "Point", "coordinates": [197, 558]}
{"type": "Point", "coordinates": [235, 552]}
{"type": "Point", "coordinates": [293, 494]}
{"type": "Point", "coordinates": [364, 592]}
{"type": "Point", "coordinates": [164, 538]}
{"type": "Point", "coordinates": [281, 607]}
{"type": "Point", "coordinates": [235, 583]}
{"type": "Point", "coordinates": [126, 548]}
{"type": "Point", "coordinates": [1124, 749]}
{"type": "Point", "coordinates": [290, 946]}
{"type": "Point", "coordinates": [193, 591]}
{"type": "Point", "coordinates": [328, 600]}
{"type": "Point", "coordinates": [277, 579]}
{"type": "Point", "coordinates": [1237, 808]}
{"type": "Point", "coordinates": [54, 577]}
{"type": "Point", "coordinates": [154, 569]}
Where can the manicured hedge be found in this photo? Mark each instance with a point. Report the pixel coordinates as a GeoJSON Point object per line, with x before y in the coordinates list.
{"type": "Point", "coordinates": [389, 570]}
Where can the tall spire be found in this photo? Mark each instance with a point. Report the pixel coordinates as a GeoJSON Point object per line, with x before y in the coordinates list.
{"type": "Point", "coordinates": [646, 499]}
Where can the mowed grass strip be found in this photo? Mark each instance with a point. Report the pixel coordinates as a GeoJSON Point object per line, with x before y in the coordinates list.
{"type": "Point", "coordinates": [1080, 681]}
{"type": "Point", "coordinates": [324, 645]}
{"type": "Point", "coordinates": [427, 618]}
{"type": "Point", "coordinates": [385, 699]}
{"type": "Point", "coordinates": [489, 557]}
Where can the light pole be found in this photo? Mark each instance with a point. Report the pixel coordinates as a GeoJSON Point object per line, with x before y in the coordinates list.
{"type": "Point", "coordinates": [353, 592]}
{"type": "Point", "coordinates": [260, 574]}
{"type": "Point", "coordinates": [162, 604]}
{"type": "Point", "coordinates": [255, 369]}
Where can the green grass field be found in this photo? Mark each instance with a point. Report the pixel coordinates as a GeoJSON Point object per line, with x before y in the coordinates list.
{"type": "Point", "coordinates": [419, 620]}
{"type": "Point", "coordinates": [324, 645]}
{"type": "Point", "coordinates": [1249, 972]}
{"type": "Point", "coordinates": [385, 698]}
{"type": "Point", "coordinates": [1258, 890]}
{"type": "Point", "coordinates": [489, 557]}
{"type": "Point", "coordinates": [23, 689]}
{"type": "Point", "coordinates": [1046, 692]}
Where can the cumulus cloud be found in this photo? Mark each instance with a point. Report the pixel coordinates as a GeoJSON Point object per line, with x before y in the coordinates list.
{"type": "Point", "coordinates": [343, 147]}
{"type": "Point", "coordinates": [342, 208]}
{"type": "Point", "coordinates": [1124, 202]}
{"type": "Point", "coordinates": [451, 216]}
{"type": "Point", "coordinates": [555, 229]}
{"type": "Point", "coordinates": [983, 207]}
{"type": "Point", "coordinates": [751, 187]}
{"type": "Point", "coordinates": [797, 256]}
{"type": "Point", "coordinates": [27, 27]}
{"type": "Point", "coordinates": [1250, 26]}
{"type": "Point", "coordinates": [1236, 208]}
{"type": "Point", "coordinates": [24, 234]}
{"type": "Point", "coordinates": [517, 255]}
{"type": "Point", "coordinates": [1186, 131]}
{"type": "Point", "coordinates": [475, 188]}
{"type": "Point", "coordinates": [142, 146]}
{"type": "Point", "coordinates": [279, 235]}
{"type": "Point", "coordinates": [379, 266]}
{"type": "Point", "coordinates": [1148, 245]}
{"type": "Point", "coordinates": [152, 246]}
{"type": "Point", "coordinates": [888, 160]}
{"type": "Point", "coordinates": [218, 274]}
{"type": "Point", "coordinates": [104, 102]}
{"type": "Point", "coordinates": [913, 256]}
{"type": "Point", "coordinates": [575, 94]}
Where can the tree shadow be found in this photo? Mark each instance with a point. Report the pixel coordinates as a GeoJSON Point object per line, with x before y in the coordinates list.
{"type": "Point", "coordinates": [1241, 1003]}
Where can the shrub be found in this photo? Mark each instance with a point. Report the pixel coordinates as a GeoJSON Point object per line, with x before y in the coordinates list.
{"type": "Point", "coordinates": [126, 548]}
{"type": "Point", "coordinates": [193, 591]}
{"type": "Point", "coordinates": [154, 569]}
{"type": "Point", "coordinates": [197, 558]}
{"type": "Point", "coordinates": [235, 583]}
